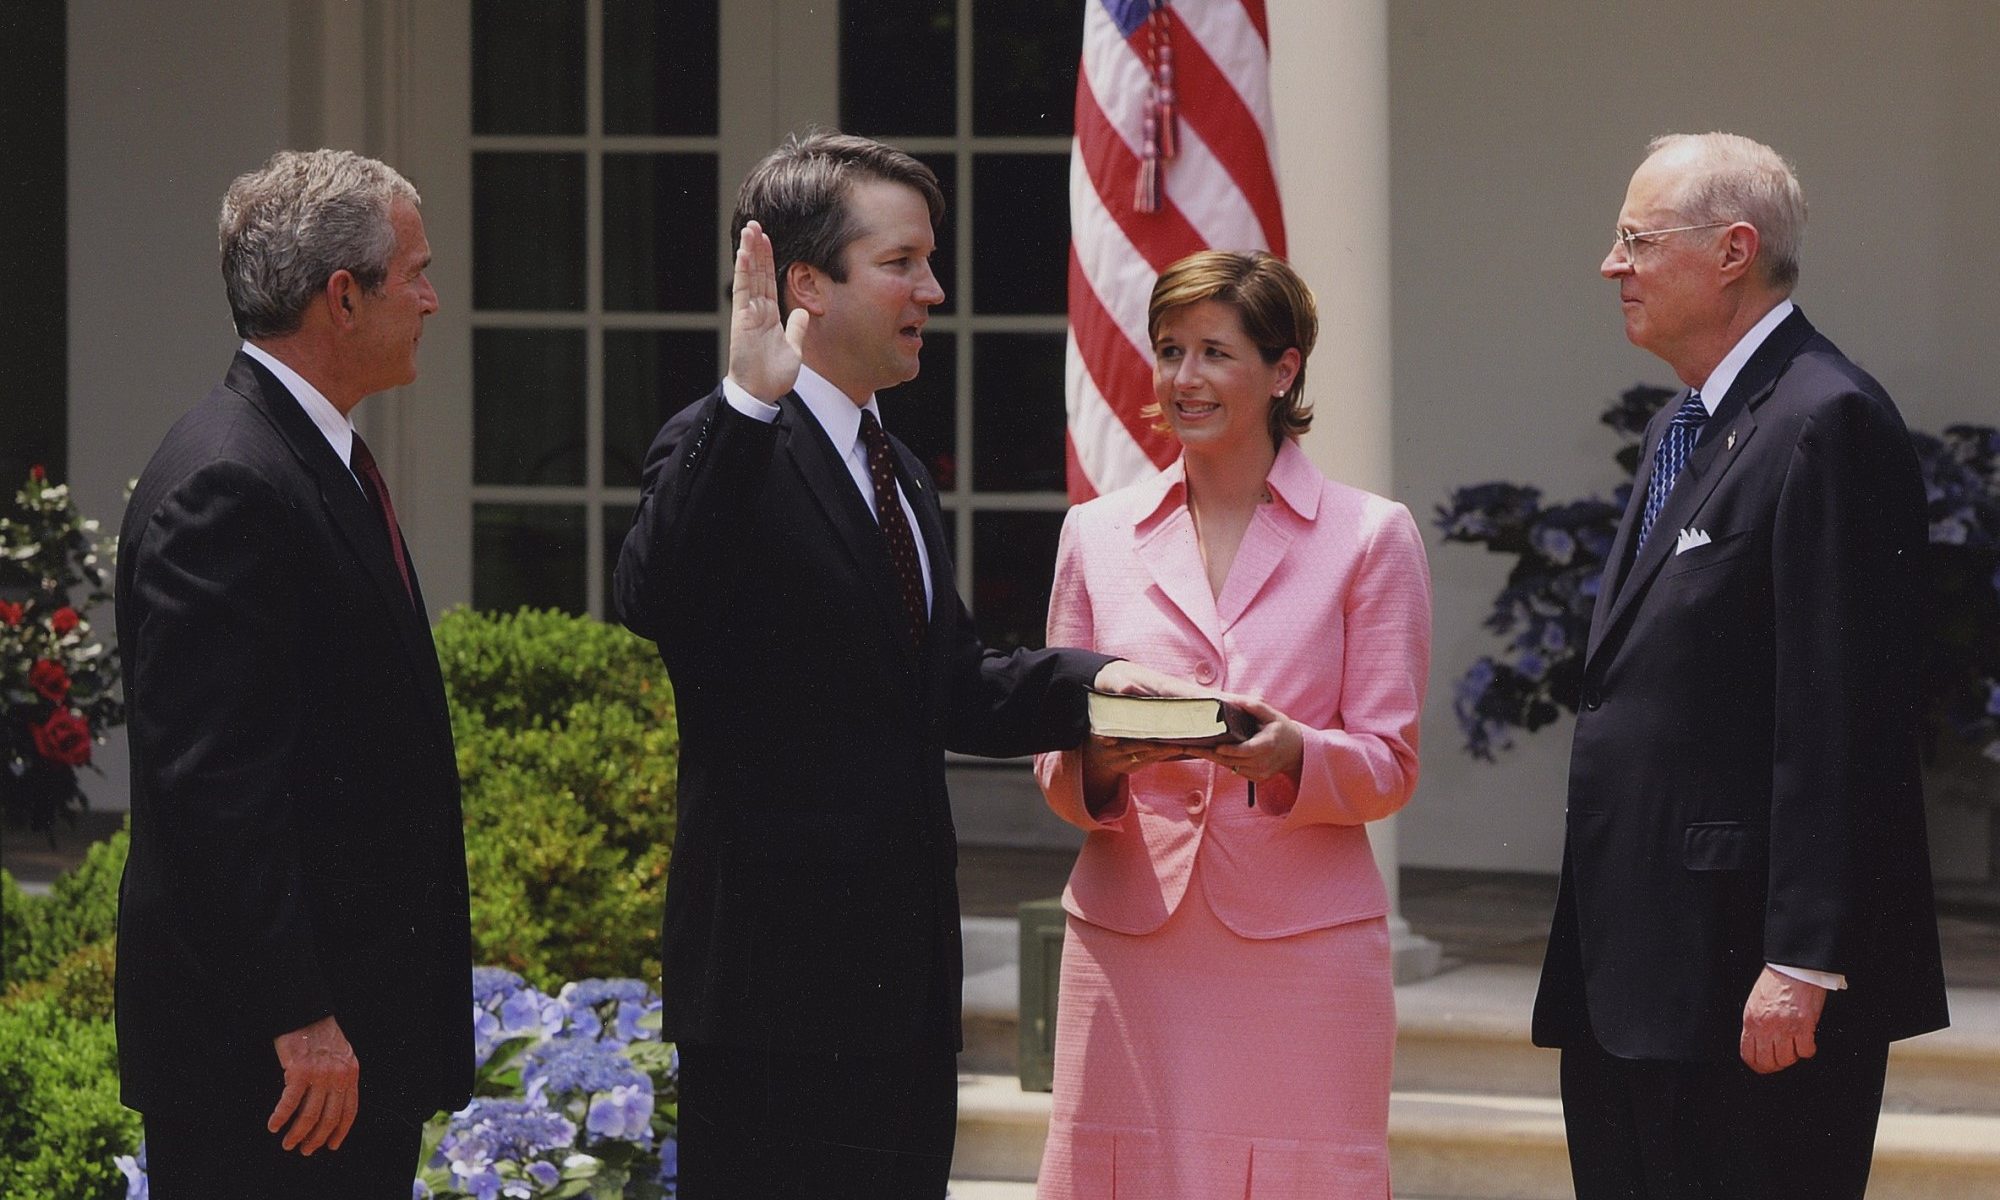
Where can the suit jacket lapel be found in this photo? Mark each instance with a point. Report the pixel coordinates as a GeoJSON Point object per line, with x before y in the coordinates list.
{"type": "Point", "coordinates": [1172, 554]}
{"type": "Point", "coordinates": [1721, 444]}
{"type": "Point", "coordinates": [832, 488]}
{"type": "Point", "coordinates": [1618, 559]}
{"type": "Point", "coordinates": [930, 526]}
{"type": "Point", "coordinates": [1296, 484]}
{"type": "Point", "coordinates": [352, 514]}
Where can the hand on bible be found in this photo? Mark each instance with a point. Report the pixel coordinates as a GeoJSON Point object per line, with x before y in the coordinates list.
{"type": "Point", "coordinates": [322, 1087]}
{"type": "Point", "coordinates": [764, 349]}
{"type": "Point", "coordinates": [1130, 679]}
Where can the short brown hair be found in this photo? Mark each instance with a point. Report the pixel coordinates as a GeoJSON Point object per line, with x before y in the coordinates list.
{"type": "Point", "coordinates": [1274, 304]}
{"type": "Point", "coordinates": [798, 193]}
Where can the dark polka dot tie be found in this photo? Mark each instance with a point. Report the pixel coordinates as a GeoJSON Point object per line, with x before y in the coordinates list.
{"type": "Point", "coordinates": [895, 526]}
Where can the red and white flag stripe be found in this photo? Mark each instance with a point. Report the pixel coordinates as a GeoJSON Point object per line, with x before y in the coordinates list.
{"type": "Point", "coordinates": [1219, 190]}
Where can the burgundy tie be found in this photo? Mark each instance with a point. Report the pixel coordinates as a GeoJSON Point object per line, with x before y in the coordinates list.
{"type": "Point", "coordinates": [378, 490]}
{"type": "Point", "coordinates": [895, 526]}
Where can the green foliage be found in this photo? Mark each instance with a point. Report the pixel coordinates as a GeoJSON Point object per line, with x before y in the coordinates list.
{"type": "Point", "coordinates": [61, 1123]}
{"type": "Point", "coordinates": [568, 752]}
{"type": "Point", "coordinates": [82, 985]}
{"type": "Point", "coordinates": [80, 910]}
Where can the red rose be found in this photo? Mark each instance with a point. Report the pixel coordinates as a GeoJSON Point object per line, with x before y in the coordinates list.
{"type": "Point", "coordinates": [63, 738]}
{"type": "Point", "coordinates": [10, 614]}
{"type": "Point", "coordinates": [49, 680]}
{"type": "Point", "coordinates": [63, 620]}
{"type": "Point", "coordinates": [36, 472]}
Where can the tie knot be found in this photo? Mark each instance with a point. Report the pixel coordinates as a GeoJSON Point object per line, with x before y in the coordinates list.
{"type": "Point", "coordinates": [1692, 411]}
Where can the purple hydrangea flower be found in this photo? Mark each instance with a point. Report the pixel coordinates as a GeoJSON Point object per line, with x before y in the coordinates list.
{"type": "Point", "coordinates": [573, 1066]}
{"type": "Point", "coordinates": [137, 1185]}
{"type": "Point", "coordinates": [488, 1131]}
{"type": "Point", "coordinates": [1556, 545]}
{"type": "Point", "coordinates": [625, 1114]}
{"type": "Point", "coordinates": [596, 991]}
{"type": "Point", "coordinates": [670, 1165]}
{"type": "Point", "coordinates": [544, 1174]}
{"type": "Point", "coordinates": [630, 1013]}
{"type": "Point", "coordinates": [489, 982]}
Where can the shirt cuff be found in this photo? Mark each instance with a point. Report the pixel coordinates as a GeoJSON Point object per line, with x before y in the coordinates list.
{"type": "Point", "coordinates": [747, 404]}
{"type": "Point", "coordinates": [1832, 981]}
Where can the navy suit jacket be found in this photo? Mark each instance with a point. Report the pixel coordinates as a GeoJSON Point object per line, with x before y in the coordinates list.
{"type": "Point", "coordinates": [1744, 783]}
{"type": "Point", "coordinates": [296, 841]}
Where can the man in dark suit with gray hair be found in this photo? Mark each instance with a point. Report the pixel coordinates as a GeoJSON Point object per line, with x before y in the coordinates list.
{"type": "Point", "coordinates": [294, 984]}
{"type": "Point", "coordinates": [1745, 919]}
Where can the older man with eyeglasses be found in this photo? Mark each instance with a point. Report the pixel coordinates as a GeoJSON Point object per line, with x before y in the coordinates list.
{"type": "Point", "coordinates": [1745, 919]}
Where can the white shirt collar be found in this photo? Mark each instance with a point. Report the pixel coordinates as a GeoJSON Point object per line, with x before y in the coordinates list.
{"type": "Point", "coordinates": [835, 411]}
{"type": "Point", "coordinates": [1720, 380]}
{"type": "Point", "coordinates": [334, 425]}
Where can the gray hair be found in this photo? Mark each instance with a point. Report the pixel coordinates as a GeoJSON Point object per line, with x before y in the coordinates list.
{"type": "Point", "coordinates": [287, 226]}
{"type": "Point", "coordinates": [1737, 179]}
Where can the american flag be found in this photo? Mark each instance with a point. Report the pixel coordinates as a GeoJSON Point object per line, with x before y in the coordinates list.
{"type": "Point", "coordinates": [1174, 153]}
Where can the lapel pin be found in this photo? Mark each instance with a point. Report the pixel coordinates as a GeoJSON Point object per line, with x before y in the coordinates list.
{"type": "Point", "coordinates": [1731, 443]}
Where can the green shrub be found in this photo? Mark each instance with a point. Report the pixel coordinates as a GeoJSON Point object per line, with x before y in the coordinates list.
{"type": "Point", "coordinates": [60, 1120]}
{"type": "Point", "coordinates": [81, 909]}
{"type": "Point", "coordinates": [82, 985]}
{"type": "Point", "coordinates": [567, 749]}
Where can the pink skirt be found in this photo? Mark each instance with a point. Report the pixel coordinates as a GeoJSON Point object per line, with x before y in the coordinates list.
{"type": "Point", "coordinates": [1196, 1064]}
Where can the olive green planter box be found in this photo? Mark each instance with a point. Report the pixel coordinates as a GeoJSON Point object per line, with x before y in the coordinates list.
{"type": "Point", "coordinates": [1041, 971]}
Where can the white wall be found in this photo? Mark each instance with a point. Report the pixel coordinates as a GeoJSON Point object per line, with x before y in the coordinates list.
{"type": "Point", "coordinates": [167, 104]}
{"type": "Point", "coordinates": [1514, 127]}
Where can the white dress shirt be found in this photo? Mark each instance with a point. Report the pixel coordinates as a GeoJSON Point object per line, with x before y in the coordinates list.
{"type": "Point", "coordinates": [841, 420]}
{"type": "Point", "coordinates": [334, 425]}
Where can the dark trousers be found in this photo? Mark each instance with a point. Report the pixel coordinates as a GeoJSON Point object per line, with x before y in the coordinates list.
{"type": "Point", "coordinates": [758, 1125]}
{"type": "Point", "coordinates": [208, 1156]}
{"type": "Point", "coordinates": [1651, 1130]}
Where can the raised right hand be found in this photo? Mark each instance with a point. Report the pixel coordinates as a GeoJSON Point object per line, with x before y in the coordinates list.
{"type": "Point", "coordinates": [322, 1087]}
{"type": "Point", "coordinates": [764, 349]}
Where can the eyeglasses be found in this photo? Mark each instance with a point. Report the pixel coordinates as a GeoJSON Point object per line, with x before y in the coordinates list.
{"type": "Point", "coordinates": [1632, 239]}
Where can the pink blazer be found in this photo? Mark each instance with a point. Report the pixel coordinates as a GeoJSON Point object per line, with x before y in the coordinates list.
{"type": "Point", "coordinates": [1326, 615]}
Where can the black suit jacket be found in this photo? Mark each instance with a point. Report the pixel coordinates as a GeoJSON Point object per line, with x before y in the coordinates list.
{"type": "Point", "coordinates": [296, 839]}
{"type": "Point", "coordinates": [813, 904]}
{"type": "Point", "coordinates": [1744, 780]}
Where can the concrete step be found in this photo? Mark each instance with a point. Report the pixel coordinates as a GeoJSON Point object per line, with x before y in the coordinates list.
{"type": "Point", "coordinates": [1490, 1147]}
{"type": "Point", "coordinates": [1466, 1031]}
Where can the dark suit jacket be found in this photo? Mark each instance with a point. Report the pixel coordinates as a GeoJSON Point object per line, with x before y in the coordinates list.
{"type": "Point", "coordinates": [296, 840]}
{"type": "Point", "coordinates": [813, 904]}
{"type": "Point", "coordinates": [1744, 781]}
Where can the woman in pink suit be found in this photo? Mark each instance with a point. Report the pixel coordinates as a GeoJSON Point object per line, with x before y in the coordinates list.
{"type": "Point", "coordinates": [1227, 1021]}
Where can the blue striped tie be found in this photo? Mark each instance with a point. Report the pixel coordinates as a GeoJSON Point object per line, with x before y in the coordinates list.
{"type": "Point", "coordinates": [1671, 455]}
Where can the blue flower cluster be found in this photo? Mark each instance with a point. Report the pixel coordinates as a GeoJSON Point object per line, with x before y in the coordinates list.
{"type": "Point", "coordinates": [1961, 471]}
{"type": "Point", "coordinates": [576, 1089]}
{"type": "Point", "coordinates": [1543, 610]}
{"type": "Point", "coordinates": [576, 1095]}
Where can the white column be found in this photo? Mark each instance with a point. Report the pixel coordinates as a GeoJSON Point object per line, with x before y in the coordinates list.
{"type": "Point", "coordinates": [1330, 95]}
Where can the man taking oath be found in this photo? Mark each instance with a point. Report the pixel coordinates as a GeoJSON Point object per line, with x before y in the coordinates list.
{"type": "Point", "coordinates": [789, 558]}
